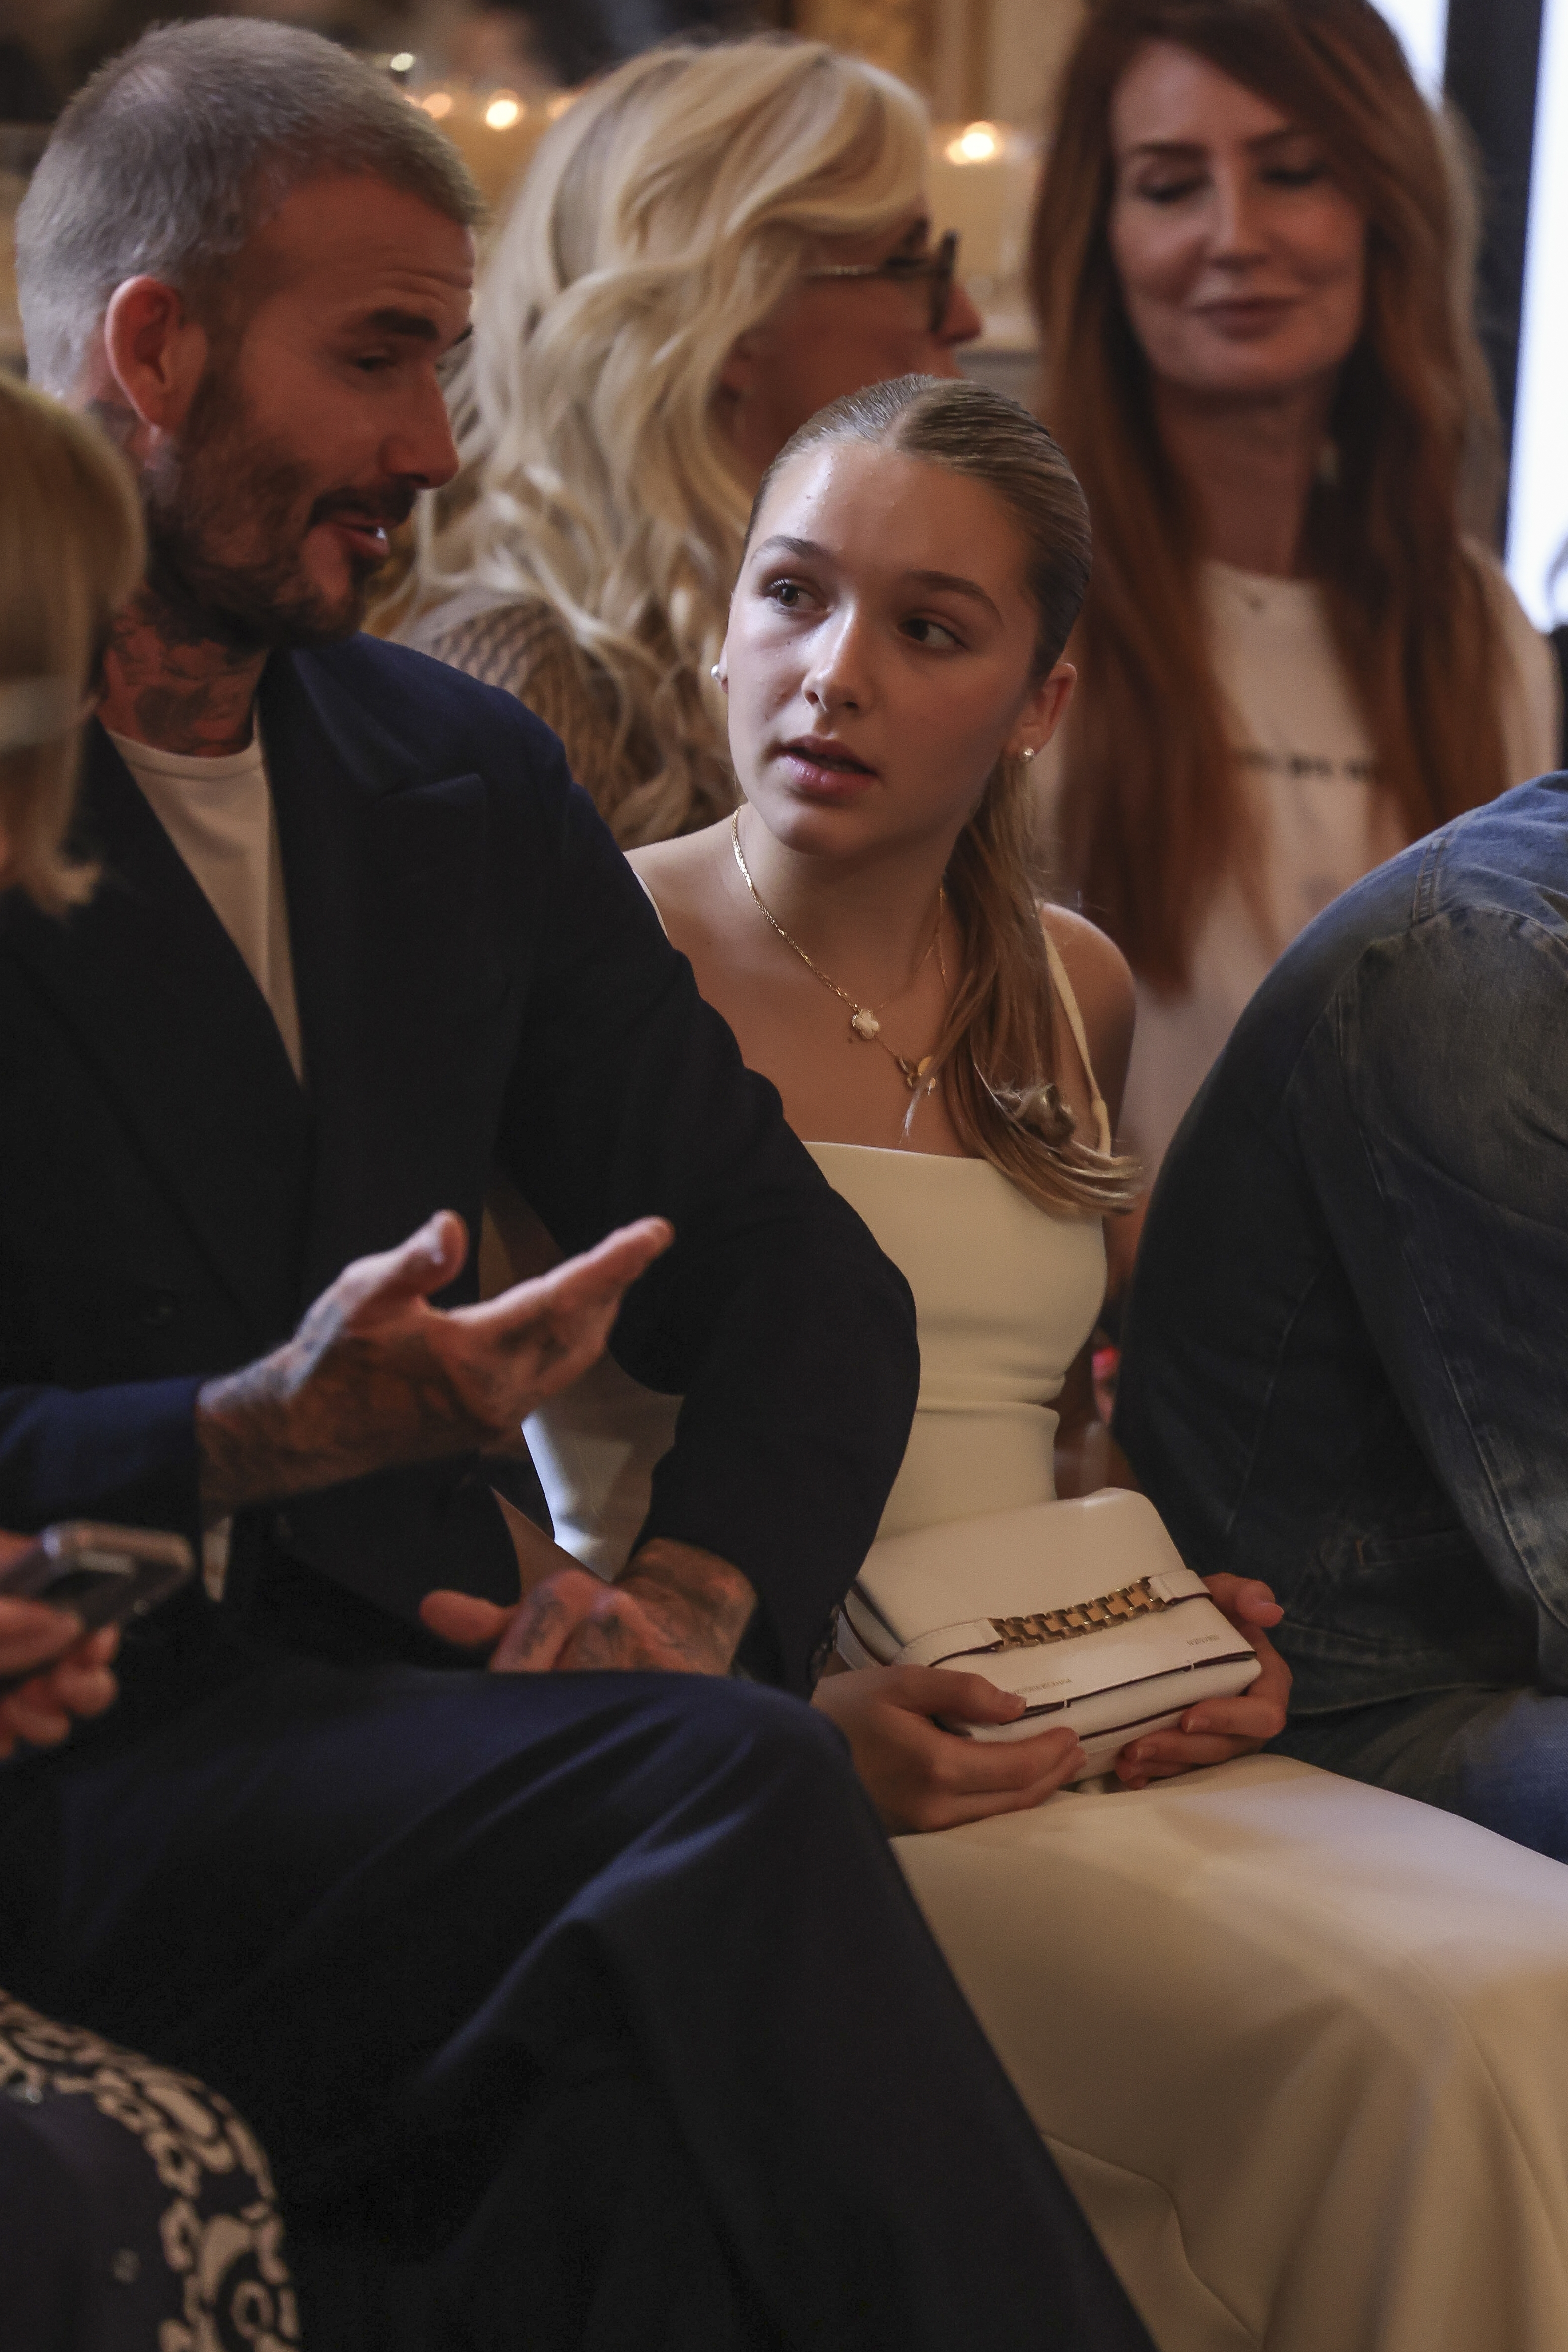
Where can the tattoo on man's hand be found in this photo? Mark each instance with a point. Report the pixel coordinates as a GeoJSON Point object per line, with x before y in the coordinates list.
{"type": "Point", "coordinates": [699, 1603]}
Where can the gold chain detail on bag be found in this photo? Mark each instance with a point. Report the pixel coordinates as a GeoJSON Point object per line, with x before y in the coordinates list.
{"type": "Point", "coordinates": [1082, 1617]}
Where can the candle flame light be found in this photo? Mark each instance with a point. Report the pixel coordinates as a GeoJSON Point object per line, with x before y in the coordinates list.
{"type": "Point", "coordinates": [503, 110]}
{"type": "Point", "coordinates": [978, 143]}
{"type": "Point", "coordinates": [437, 103]}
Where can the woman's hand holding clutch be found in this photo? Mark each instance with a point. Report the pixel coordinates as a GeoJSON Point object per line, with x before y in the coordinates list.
{"type": "Point", "coordinates": [921, 1777]}
{"type": "Point", "coordinates": [1219, 1729]}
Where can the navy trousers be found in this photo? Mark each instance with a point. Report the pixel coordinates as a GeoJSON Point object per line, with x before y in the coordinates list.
{"type": "Point", "coordinates": [598, 1999]}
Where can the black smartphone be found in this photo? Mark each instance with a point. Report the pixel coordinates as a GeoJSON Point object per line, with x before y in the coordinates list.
{"type": "Point", "coordinates": [101, 1574]}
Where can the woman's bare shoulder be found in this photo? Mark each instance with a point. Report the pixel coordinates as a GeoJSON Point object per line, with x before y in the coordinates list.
{"type": "Point", "coordinates": [1093, 960]}
{"type": "Point", "coordinates": [1102, 984]}
{"type": "Point", "coordinates": [679, 875]}
{"type": "Point", "coordinates": [688, 854]}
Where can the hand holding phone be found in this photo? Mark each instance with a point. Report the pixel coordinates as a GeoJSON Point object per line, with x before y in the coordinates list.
{"type": "Point", "coordinates": [59, 1685]}
{"type": "Point", "coordinates": [91, 1575]}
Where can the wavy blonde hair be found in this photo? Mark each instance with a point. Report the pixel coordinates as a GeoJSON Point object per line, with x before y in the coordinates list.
{"type": "Point", "coordinates": [70, 553]}
{"type": "Point", "coordinates": [669, 211]}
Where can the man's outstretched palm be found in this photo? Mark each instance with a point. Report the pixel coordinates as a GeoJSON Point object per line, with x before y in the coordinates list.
{"type": "Point", "coordinates": [375, 1375]}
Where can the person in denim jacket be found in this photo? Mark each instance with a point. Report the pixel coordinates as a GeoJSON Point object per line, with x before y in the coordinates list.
{"type": "Point", "coordinates": [1345, 1366]}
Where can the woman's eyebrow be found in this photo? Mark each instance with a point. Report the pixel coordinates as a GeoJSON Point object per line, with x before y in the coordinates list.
{"type": "Point", "coordinates": [956, 585]}
{"type": "Point", "coordinates": [1163, 147]}
{"type": "Point", "coordinates": [1184, 148]}
{"type": "Point", "coordinates": [781, 539]}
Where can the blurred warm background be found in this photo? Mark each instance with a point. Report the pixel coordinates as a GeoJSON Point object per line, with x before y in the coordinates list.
{"type": "Point", "coordinates": [493, 75]}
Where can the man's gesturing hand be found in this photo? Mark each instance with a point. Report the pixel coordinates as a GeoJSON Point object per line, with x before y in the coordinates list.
{"type": "Point", "coordinates": [375, 1374]}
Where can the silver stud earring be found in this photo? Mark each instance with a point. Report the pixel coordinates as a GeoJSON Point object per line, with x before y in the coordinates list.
{"type": "Point", "coordinates": [1028, 751]}
{"type": "Point", "coordinates": [714, 674]}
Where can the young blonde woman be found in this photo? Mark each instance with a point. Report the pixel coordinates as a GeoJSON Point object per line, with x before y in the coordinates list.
{"type": "Point", "coordinates": [867, 924]}
{"type": "Point", "coordinates": [711, 243]}
{"type": "Point", "coordinates": [134, 2204]}
{"type": "Point", "coordinates": [1293, 661]}
{"type": "Point", "coordinates": [1271, 2070]}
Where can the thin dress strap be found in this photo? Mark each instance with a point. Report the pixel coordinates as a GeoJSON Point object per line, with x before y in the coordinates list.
{"type": "Point", "coordinates": [1075, 1023]}
{"type": "Point", "coordinates": [653, 902]}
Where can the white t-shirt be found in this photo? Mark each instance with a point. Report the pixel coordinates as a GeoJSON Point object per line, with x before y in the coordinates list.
{"type": "Point", "coordinates": [218, 814]}
{"type": "Point", "coordinates": [1305, 759]}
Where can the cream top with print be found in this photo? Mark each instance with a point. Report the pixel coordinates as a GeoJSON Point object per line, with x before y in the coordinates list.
{"type": "Point", "coordinates": [1306, 761]}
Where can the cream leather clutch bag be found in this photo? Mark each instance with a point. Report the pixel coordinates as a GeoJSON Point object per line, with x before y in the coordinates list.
{"type": "Point", "coordinates": [1085, 1609]}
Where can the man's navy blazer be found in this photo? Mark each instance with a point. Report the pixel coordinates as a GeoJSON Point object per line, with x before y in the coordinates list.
{"type": "Point", "coordinates": [481, 984]}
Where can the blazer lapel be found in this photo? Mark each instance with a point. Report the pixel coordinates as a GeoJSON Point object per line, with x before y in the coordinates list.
{"type": "Point", "coordinates": [161, 1001]}
{"type": "Point", "coordinates": [384, 867]}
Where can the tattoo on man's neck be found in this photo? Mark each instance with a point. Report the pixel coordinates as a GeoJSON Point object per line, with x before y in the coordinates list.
{"type": "Point", "coordinates": [186, 693]}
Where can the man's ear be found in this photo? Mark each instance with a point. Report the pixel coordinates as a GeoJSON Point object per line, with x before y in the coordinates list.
{"type": "Point", "coordinates": [154, 352]}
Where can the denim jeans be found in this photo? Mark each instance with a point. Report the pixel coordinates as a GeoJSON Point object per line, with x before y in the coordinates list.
{"type": "Point", "coordinates": [1500, 1758]}
{"type": "Point", "coordinates": [1345, 1366]}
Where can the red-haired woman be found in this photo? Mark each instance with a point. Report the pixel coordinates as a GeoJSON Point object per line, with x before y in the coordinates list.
{"type": "Point", "coordinates": [1293, 659]}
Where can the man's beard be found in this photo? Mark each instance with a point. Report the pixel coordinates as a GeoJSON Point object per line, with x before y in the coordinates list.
{"type": "Point", "coordinates": [228, 510]}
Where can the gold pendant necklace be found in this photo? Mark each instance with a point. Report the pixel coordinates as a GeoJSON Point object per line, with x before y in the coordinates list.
{"type": "Point", "coordinates": [863, 1021]}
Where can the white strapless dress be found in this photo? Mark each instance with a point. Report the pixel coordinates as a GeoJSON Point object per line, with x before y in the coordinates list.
{"type": "Point", "coordinates": [1300, 2046]}
{"type": "Point", "coordinates": [1005, 1298]}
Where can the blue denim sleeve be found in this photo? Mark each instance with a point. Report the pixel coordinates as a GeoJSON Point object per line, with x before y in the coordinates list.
{"type": "Point", "coordinates": [1430, 1104]}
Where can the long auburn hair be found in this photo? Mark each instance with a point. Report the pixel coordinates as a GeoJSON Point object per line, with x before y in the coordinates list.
{"type": "Point", "coordinates": [668, 210]}
{"type": "Point", "coordinates": [1151, 817]}
{"type": "Point", "coordinates": [998, 1050]}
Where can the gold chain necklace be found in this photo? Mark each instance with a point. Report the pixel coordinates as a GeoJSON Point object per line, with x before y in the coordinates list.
{"type": "Point", "coordinates": [863, 1021]}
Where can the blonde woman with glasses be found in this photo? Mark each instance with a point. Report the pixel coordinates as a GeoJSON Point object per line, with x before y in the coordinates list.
{"type": "Point", "coordinates": [712, 243]}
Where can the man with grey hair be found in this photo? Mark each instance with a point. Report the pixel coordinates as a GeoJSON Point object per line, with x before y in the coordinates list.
{"type": "Point", "coordinates": [183, 168]}
{"type": "Point", "coordinates": [595, 1989]}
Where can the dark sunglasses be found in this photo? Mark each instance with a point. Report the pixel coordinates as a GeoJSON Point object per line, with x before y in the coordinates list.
{"type": "Point", "coordinates": [936, 268]}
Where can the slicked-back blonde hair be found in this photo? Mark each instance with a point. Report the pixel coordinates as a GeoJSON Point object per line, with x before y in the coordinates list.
{"type": "Point", "coordinates": [997, 1053]}
{"type": "Point", "coordinates": [667, 212]}
{"type": "Point", "coordinates": [70, 553]}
